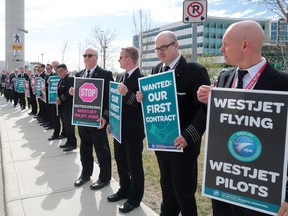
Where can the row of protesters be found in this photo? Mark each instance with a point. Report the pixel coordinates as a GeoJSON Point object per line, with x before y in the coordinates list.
{"type": "Point", "coordinates": [5, 87]}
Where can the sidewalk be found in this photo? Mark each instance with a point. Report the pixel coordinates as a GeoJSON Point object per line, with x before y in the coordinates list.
{"type": "Point", "coordinates": [39, 177]}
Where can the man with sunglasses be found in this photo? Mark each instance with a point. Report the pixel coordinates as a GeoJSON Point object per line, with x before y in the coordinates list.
{"type": "Point", "coordinates": [178, 171]}
{"type": "Point", "coordinates": [91, 136]}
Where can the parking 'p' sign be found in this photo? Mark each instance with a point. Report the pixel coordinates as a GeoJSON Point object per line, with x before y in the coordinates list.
{"type": "Point", "coordinates": [194, 11]}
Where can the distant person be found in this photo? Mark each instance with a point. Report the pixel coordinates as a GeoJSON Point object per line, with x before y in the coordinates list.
{"type": "Point", "coordinates": [91, 136]}
{"type": "Point", "coordinates": [55, 114]}
{"type": "Point", "coordinates": [242, 46]}
{"type": "Point", "coordinates": [64, 102]}
{"type": "Point", "coordinates": [48, 107]}
{"type": "Point", "coordinates": [32, 98]}
{"type": "Point", "coordinates": [15, 94]}
{"type": "Point", "coordinates": [42, 113]}
{"type": "Point", "coordinates": [178, 171]}
{"type": "Point", "coordinates": [2, 83]}
{"type": "Point", "coordinates": [128, 153]}
{"type": "Point", "coordinates": [8, 86]}
{"type": "Point", "coordinates": [22, 98]}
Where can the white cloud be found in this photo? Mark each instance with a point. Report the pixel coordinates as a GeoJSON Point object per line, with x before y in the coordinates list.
{"type": "Point", "coordinates": [242, 14]}
{"type": "Point", "coordinates": [216, 2]}
{"type": "Point", "coordinates": [218, 13]}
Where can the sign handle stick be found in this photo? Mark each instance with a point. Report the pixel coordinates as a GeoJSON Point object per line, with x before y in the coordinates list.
{"type": "Point", "coordinates": [57, 111]}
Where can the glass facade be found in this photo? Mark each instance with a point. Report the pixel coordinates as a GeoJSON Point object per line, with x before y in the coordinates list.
{"type": "Point", "coordinates": [209, 37]}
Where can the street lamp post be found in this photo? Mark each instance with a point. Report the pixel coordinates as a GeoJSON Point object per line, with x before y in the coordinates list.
{"type": "Point", "coordinates": [42, 57]}
{"type": "Point", "coordinates": [79, 56]}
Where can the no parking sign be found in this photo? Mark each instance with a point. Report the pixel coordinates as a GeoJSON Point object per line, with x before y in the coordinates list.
{"type": "Point", "coordinates": [195, 11]}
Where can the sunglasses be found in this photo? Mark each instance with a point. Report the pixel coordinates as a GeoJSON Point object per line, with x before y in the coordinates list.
{"type": "Point", "coordinates": [88, 55]}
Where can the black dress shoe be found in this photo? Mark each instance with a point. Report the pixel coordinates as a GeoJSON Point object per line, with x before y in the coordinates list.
{"type": "Point", "coordinates": [69, 148]}
{"type": "Point", "coordinates": [52, 137]}
{"type": "Point", "coordinates": [127, 207]}
{"type": "Point", "coordinates": [81, 180]}
{"type": "Point", "coordinates": [61, 136]}
{"type": "Point", "coordinates": [64, 145]}
{"type": "Point", "coordinates": [48, 128]}
{"type": "Point", "coordinates": [116, 197]}
{"type": "Point", "coordinates": [98, 185]}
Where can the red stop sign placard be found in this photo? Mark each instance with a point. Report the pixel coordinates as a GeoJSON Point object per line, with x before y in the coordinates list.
{"type": "Point", "coordinates": [88, 92]}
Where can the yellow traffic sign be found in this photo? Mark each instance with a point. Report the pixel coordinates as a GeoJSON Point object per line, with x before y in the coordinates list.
{"type": "Point", "coordinates": [17, 47]}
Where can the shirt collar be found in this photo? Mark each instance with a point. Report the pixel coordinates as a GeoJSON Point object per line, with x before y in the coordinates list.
{"type": "Point", "coordinates": [91, 70]}
{"type": "Point", "coordinates": [131, 71]}
{"type": "Point", "coordinates": [173, 63]}
{"type": "Point", "coordinates": [252, 71]}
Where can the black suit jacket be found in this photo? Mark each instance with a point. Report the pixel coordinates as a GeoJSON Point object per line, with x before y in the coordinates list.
{"type": "Point", "coordinates": [189, 77]}
{"type": "Point", "coordinates": [63, 93]}
{"type": "Point", "coordinates": [270, 79]}
{"type": "Point", "coordinates": [25, 76]}
{"type": "Point", "coordinates": [107, 76]}
{"type": "Point", "coordinates": [132, 119]}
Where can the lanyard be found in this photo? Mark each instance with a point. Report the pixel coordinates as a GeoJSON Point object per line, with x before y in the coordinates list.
{"type": "Point", "coordinates": [254, 79]}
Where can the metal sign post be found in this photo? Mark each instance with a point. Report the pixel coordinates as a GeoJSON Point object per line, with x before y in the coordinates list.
{"type": "Point", "coordinates": [194, 12]}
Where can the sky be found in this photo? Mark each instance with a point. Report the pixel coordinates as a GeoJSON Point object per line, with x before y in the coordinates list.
{"type": "Point", "coordinates": [53, 23]}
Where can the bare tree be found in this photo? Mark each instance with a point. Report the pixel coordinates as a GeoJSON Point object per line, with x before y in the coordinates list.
{"type": "Point", "coordinates": [101, 39]}
{"type": "Point", "coordinates": [65, 47]}
{"type": "Point", "coordinates": [279, 7]}
{"type": "Point", "coordinates": [142, 24]}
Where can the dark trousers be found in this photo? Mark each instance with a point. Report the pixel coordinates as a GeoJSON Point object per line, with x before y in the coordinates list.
{"type": "Point", "coordinates": [57, 126]}
{"type": "Point", "coordinates": [40, 112]}
{"type": "Point", "coordinates": [43, 109]}
{"type": "Point", "coordinates": [22, 100]}
{"type": "Point", "coordinates": [97, 138]}
{"type": "Point", "coordinates": [226, 209]}
{"type": "Point", "coordinates": [7, 94]}
{"type": "Point", "coordinates": [178, 183]}
{"type": "Point", "coordinates": [69, 128]}
{"type": "Point", "coordinates": [128, 156]}
{"type": "Point", "coordinates": [51, 112]}
{"type": "Point", "coordinates": [15, 97]}
{"type": "Point", "coordinates": [33, 103]}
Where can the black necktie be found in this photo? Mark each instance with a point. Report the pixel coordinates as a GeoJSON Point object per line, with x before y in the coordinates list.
{"type": "Point", "coordinates": [126, 76]}
{"type": "Point", "coordinates": [166, 68]}
{"type": "Point", "coordinates": [88, 73]}
{"type": "Point", "coordinates": [241, 74]}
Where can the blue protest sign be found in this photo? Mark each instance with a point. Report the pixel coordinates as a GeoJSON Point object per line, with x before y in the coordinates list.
{"type": "Point", "coordinates": [52, 89]}
{"type": "Point", "coordinates": [160, 111]}
{"type": "Point", "coordinates": [115, 103]}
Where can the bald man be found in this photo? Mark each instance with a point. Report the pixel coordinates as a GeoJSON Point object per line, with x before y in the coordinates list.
{"type": "Point", "coordinates": [242, 47]}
